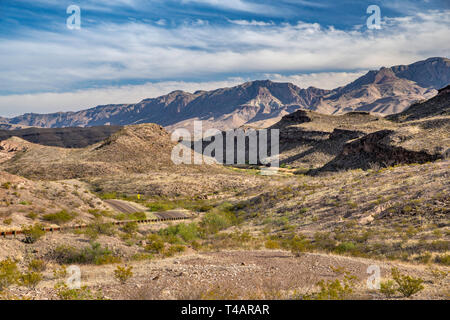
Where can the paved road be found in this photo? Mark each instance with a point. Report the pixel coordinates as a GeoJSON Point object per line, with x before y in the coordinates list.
{"type": "Point", "coordinates": [171, 214]}
{"type": "Point", "coordinates": [129, 207]}
{"type": "Point", "coordinates": [123, 206]}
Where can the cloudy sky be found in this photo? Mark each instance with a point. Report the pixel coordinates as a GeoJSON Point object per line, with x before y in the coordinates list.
{"type": "Point", "coordinates": [128, 50]}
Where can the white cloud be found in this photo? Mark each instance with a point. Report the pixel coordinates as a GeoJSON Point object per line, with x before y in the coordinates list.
{"type": "Point", "coordinates": [322, 80]}
{"type": "Point", "coordinates": [237, 5]}
{"type": "Point", "coordinates": [251, 23]}
{"type": "Point", "coordinates": [50, 62]}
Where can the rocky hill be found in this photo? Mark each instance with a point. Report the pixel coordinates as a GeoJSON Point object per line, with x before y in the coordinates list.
{"type": "Point", "coordinates": [310, 140]}
{"type": "Point", "coordinates": [135, 159]}
{"type": "Point", "coordinates": [262, 103]}
{"type": "Point", "coordinates": [74, 137]}
{"type": "Point", "coordinates": [437, 106]}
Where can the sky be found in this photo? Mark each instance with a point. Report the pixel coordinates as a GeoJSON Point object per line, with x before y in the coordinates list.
{"type": "Point", "coordinates": [128, 50]}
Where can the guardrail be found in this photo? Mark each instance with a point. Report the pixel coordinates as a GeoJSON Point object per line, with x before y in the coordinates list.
{"type": "Point", "coordinates": [83, 226]}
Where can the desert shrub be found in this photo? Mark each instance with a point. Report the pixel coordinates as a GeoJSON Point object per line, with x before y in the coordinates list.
{"type": "Point", "coordinates": [59, 217]}
{"type": "Point", "coordinates": [407, 285]}
{"type": "Point", "coordinates": [137, 216]}
{"type": "Point", "coordinates": [93, 254]}
{"type": "Point", "coordinates": [424, 258]}
{"type": "Point", "coordinates": [219, 218]}
{"type": "Point", "coordinates": [123, 274]}
{"type": "Point", "coordinates": [108, 196]}
{"type": "Point", "coordinates": [65, 293]}
{"type": "Point", "coordinates": [187, 232]}
{"type": "Point", "coordinates": [33, 233]}
{"type": "Point", "coordinates": [214, 222]}
{"type": "Point", "coordinates": [272, 244]}
{"type": "Point", "coordinates": [189, 204]}
{"type": "Point", "coordinates": [443, 259]}
{"type": "Point", "coordinates": [160, 206]}
{"type": "Point", "coordinates": [120, 216]}
{"type": "Point", "coordinates": [130, 228]}
{"type": "Point", "coordinates": [196, 245]}
{"type": "Point", "coordinates": [6, 185]}
{"type": "Point", "coordinates": [324, 241]}
{"type": "Point", "coordinates": [9, 273]}
{"type": "Point", "coordinates": [438, 275]}
{"type": "Point", "coordinates": [30, 279]}
{"type": "Point", "coordinates": [388, 288]}
{"type": "Point", "coordinates": [94, 230]}
{"type": "Point", "coordinates": [298, 245]}
{"type": "Point", "coordinates": [334, 290]}
{"type": "Point", "coordinates": [219, 292]}
{"type": "Point", "coordinates": [60, 272]}
{"type": "Point", "coordinates": [37, 265]}
{"type": "Point", "coordinates": [155, 244]}
{"type": "Point", "coordinates": [32, 215]}
{"type": "Point", "coordinates": [140, 256]}
{"type": "Point", "coordinates": [174, 249]}
{"type": "Point", "coordinates": [7, 221]}
{"type": "Point", "coordinates": [345, 247]}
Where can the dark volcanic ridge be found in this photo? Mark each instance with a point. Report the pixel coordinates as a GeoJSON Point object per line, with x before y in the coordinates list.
{"type": "Point", "coordinates": [71, 137]}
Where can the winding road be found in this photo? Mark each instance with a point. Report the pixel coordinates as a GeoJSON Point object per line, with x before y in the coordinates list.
{"type": "Point", "coordinates": [129, 207]}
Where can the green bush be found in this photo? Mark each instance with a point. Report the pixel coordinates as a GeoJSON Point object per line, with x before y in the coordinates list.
{"type": "Point", "coordinates": [187, 232]}
{"type": "Point", "coordinates": [388, 288]}
{"type": "Point", "coordinates": [32, 215]}
{"type": "Point", "coordinates": [345, 247]}
{"type": "Point", "coordinates": [93, 254]}
{"type": "Point", "coordinates": [174, 249]}
{"type": "Point", "coordinates": [214, 222]}
{"type": "Point", "coordinates": [219, 218]}
{"type": "Point", "coordinates": [37, 265]}
{"type": "Point", "coordinates": [9, 273]}
{"type": "Point", "coordinates": [407, 285]}
{"type": "Point", "coordinates": [160, 206]}
{"type": "Point", "coordinates": [123, 274]}
{"type": "Point", "coordinates": [138, 216]}
{"type": "Point", "coordinates": [6, 185]}
{"type": "Point", "coordinates": [155, 244]}
{"type": "Point", "coordinates": [272, 244]}
{"type": "Point", "coordinates": [443, 259]}
{"type": "Point", "coordinates": [97, 228]}
{"type": "Point", "coordinates": [298, 245]}
{"type": "Point", "coordinates": [30, 279]}
{"type": "Point", "coordinates": [108, 196]}
{"type": "Point", "coordinates": [64, 293]}
{"type": "Point", "coordinates": [33, 233]}
{"type": "Point", "coordinates": [59, 217]}
{"type": "Point", "coordinates": [324, 241]}
{"type": "Point", "coordinates": [130, 228]}
{"type": "Point", "coordinates": [334, 290]}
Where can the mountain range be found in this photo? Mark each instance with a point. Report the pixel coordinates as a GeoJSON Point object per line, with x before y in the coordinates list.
{"type": "Point", "coordinates": [261, 103]}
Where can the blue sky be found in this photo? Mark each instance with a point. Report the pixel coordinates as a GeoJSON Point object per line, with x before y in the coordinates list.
{"type": "Point", "coordinates": [127, 50]}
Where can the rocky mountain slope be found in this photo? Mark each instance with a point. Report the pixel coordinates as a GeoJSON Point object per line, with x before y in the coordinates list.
{"type": "Point", "coordinates": [262, 103]}
{"type": "Point", "coordinates": [438, 106]}
{"type": "Point", "coordinates": [310, 140]}
{"type": "Point", "coordinates": [24, 201]}
{"type": "Point", "coordinates": [136, 159]}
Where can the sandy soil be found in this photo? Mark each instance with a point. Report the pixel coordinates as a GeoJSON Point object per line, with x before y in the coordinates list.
{"type": "Point", "coordinates": [238, 274]}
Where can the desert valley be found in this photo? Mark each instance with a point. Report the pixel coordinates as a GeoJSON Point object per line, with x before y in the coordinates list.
{"type": "Point", "coordinates": [363, 185]}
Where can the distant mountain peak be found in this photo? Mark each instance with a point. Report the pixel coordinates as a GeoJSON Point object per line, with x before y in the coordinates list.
{"type": "Point", "coordinates": [385, 91]}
